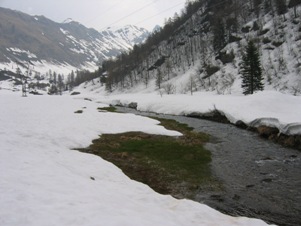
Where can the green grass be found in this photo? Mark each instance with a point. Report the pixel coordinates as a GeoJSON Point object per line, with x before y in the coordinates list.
{"type": "Point", "coordinates": [174, 125]}
{"type": "Point", "coordinates": [108, 109]}
{"type": "Point", "coordinates": [185, 160]}
{"type": "Point", "coordinates": [164, 163]}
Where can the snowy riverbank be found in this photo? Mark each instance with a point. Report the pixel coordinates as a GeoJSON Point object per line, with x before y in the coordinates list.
{"type": "Point", "coordinates": [44, 182]}
{"type": "Point", "coordinates": [267, 108]}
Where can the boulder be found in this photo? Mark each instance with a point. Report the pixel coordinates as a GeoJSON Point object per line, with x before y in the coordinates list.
{"type": "Point", "coordinates": [133, 105]}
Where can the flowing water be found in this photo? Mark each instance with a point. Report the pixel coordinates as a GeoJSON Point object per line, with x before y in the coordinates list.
{"type": "Point", "coordinates": [260, 179]}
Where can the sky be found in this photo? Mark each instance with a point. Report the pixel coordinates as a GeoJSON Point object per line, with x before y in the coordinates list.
{"type": "Point", "coordinates": [100, 14]}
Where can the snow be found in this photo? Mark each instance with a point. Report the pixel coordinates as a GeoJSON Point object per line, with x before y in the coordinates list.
{"type": "Point", "coordinates": [124, 37]}
{"type": "Point", "coordinates": [43, 67]}
{"type": "Point", "coordinates": [64, 31]}
{"type": "Point", "coordinates": [44, 182]}
{"type": "Point", "coordinates": [268, 108]}
{"type": "Point", "coordinates": [19, 51]}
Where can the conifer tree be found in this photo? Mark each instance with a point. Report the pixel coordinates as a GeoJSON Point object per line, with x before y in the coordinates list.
{"type": "Point", "coordinates": [60, 84]}
{"type": "Point", "coordinates": [251, 70]}
{"type": "Point", "coordinates": [219, 33]}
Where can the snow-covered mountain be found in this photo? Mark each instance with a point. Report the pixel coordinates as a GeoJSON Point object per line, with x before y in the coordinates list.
{"type": "Point", "coordinates": [124, 37]}
{"type": "Point", "coordinates": [45, 44]}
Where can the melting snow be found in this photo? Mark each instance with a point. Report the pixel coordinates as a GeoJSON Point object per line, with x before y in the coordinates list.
{"type": "Point", "coordinates": [44, 182]}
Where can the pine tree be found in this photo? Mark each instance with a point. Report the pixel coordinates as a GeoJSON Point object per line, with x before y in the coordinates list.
{"type": "Point", "coordinates": [251, 70]}
{"type": "Point", "coordinates": [60, 84]}
{"type": "Point", "coordinates": [219, 34]}
{"type": "Point", "coordinates": [159, 78]}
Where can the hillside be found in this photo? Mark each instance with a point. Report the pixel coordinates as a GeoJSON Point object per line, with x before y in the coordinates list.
{"type": "Point", "coordinates": [57, 46]}
{"type": "Point", "coordinates": [202, 49]}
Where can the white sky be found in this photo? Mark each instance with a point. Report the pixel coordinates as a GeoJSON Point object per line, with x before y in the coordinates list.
{"type": "Point", "coordinates": [100, 14]}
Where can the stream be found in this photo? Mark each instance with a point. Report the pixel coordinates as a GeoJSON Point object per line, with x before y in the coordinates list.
{"type": "Point", "coordinates": [260, 179]}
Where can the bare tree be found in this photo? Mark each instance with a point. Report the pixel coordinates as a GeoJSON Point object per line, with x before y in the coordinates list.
{"type": "Point", "coordinates": [294, 4]}
{"type": "Point", "coordinates": [169, 68]}
{"type": "Point", "coordinates": [169, 88]}
{"type": "Point", "coordinates": [159, 78]}
{"type": "Point", "coordinates": [191, 84]}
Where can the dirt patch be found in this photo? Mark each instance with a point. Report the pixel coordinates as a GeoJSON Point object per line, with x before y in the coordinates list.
{"type": "Point", "coordinates": [214, 116]}
{"type": "Point", "coordinates": [78, 112]}
{"type": "Point", "coordinates": [289, 141]}
{"type": "Point", "coordinates": [273, 134]}
{"type": "Point", "coordinates": [267, 132]}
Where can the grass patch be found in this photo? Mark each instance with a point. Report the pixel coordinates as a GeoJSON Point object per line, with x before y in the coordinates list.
{"type": "Point", "coordinates": [79, 112]}
{"type": "Point", "coordinates": [174, 125]}
{"type": "Point", "coordinates": [108, 109]}
{"type": "Point", "coordinates": [170, 165]}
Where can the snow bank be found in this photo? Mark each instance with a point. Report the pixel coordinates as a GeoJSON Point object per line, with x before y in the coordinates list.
{"type": "Point", "coordinates": [44, 182]}
{"type": "Point", "coordinates": [268, 108]}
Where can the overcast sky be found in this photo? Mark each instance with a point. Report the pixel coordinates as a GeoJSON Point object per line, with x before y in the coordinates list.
{"type": "Point", "coordinates": [100, 14]}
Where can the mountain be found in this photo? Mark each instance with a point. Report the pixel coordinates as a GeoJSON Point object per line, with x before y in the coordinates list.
{"type": "Point", "coordinates": [202, 50]}
{"type": "Point", "coordinates": [127, 36]}
{"type": "Point", "coordinates": [46, 44]}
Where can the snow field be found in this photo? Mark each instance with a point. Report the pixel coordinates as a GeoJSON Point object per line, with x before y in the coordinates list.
{"type": "Point", "coordinates": [44, 182]}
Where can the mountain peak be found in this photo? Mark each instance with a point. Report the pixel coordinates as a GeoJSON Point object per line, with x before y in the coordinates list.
{"type": "Point", "coordinates": [126, 27]}
{"type": "Point", "coordinates": [129, 35]}
{"type": "Point", "coordinates": [68, 20]}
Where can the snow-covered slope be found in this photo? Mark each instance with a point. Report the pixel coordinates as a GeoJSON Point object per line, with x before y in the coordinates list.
{"type": "Point", "coordinates": [45, 183]}
{"type": "Point", "coordinates": [59, 46]}
{"type": "Point", "coordinates": [125, 37]}
{"type": "Point", "coordinates": [189, 51]}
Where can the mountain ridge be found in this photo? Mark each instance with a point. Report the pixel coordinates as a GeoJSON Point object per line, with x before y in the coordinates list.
{"type": "Point", "coordinates": [37, 39]}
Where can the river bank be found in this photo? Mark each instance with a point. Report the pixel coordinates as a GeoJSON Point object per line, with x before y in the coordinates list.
{"type": "Point", "coordinates": [267, 132]}
{"type": "Point", "coordinates": [260, 178]}
{"type": "Point", "coordinates": [274, 115]}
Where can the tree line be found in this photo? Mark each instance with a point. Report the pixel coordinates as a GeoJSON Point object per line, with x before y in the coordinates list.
{"type": "Point", "coordinates": [56, 83]}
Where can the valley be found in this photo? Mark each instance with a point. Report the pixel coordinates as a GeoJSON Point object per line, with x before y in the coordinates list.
{"type": "Point", "coordinates": [207, 129]}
